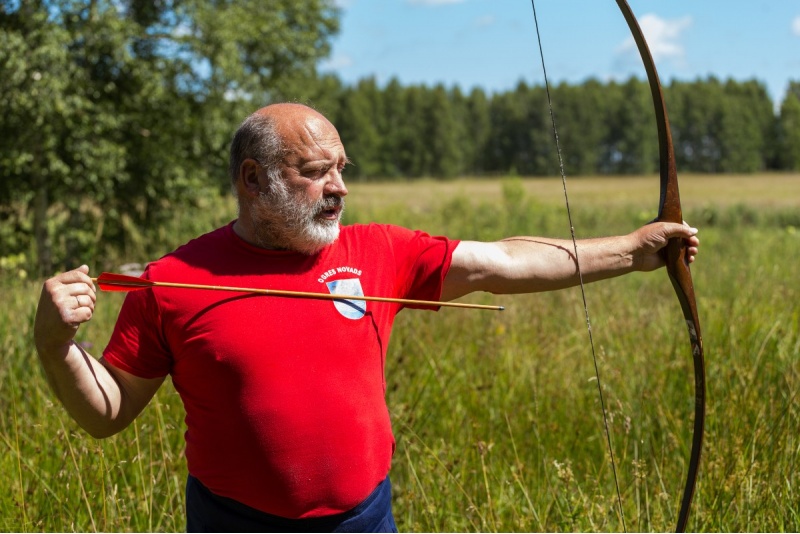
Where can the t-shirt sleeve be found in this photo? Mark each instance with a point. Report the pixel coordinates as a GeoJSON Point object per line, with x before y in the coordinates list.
{"type": "Point", "coordinates": [137, 344]}
{"type": "Point", "coordinates": [423, 262]}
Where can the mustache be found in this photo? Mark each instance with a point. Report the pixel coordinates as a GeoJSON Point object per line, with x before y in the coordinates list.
{"type": "Point", "coordinates": [328, 203]}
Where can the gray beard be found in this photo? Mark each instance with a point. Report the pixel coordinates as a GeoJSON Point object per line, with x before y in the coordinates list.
{"type": "Point", "coordinates": [283, 221]}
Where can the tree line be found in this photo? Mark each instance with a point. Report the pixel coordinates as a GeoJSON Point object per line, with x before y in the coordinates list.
{"type": "Point", "coordinates": [118, 113]}
{"type": "Point", "coordinates": [399, 131]}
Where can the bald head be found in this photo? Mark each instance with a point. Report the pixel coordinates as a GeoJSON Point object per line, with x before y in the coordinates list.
{"type": "Point", "coordinates": [288, 114]}
{"type": "Point", "coordinates": [267, 134]}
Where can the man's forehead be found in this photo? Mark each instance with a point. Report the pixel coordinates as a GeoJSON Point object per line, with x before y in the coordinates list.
{"type": "Point", "coordinates": [289, 117]}
{"type": "Point", "coordinates": [312, 140]}
{"type": "Point", "coordinates": [309, 129]}
{"type": "Point", "coordinates": [307, 135]}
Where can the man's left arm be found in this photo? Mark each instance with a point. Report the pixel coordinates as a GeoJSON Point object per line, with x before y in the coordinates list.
{"type": "Point", "coordinates": [534, 264]}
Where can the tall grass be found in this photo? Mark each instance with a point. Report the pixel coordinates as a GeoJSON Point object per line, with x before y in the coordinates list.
{"type": "Point", "coordinates": [496, 415]}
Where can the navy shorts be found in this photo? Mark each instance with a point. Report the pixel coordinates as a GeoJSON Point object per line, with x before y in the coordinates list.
{"type": "Point", "coordinates": [207, 512]}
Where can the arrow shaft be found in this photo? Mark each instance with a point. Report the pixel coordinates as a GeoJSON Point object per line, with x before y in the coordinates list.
{"type": "Point", "coordinates": [296, 294]}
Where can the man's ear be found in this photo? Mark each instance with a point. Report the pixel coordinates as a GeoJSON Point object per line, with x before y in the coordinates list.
{"type": "Point", "coordinates": [248, 177]}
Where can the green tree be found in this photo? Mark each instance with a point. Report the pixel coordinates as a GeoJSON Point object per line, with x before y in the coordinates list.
{"type": "Point", "coordinates": [632, 145]}
{"type": "Point", "coordinates": [695, 116]}
{"type": "Point", "coordinates": [722, 127]}
{"type": "Point", "coordinates": [522, 135]}
{"type": "Point", "coordinates": [56, 144]}
{"type": "Point", "coordinates": [324, 93]}
{"type": "Point", "coordinates": [582, 121]}
{"type": "Point", "coordinates": [359, 126]}
{"type": "Point", "coordinates": [788, 143]}
{"type": "Point", "coordinates": [395, 159]}
{"type": "Point", "coordinates": [477, 132]}
{"type": "Point", "coordinates": [443, 133]}
{"type": "Point", "coordinates": [117, 112]}
{"type": "Point", "coordinates": [415, 152]}
{"type": "Point", "coordinates": [746, 125]}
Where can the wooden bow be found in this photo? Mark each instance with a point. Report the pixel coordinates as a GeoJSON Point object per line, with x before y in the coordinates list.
{"type": "Point", "coordinates": [669, 210]}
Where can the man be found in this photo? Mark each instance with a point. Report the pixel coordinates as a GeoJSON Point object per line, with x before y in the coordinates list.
{"type": "Point", "coordinates": [287, 427]}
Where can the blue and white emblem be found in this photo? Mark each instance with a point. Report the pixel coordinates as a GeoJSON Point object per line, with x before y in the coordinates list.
{"type": "Point", "coordinates": [352, 309]}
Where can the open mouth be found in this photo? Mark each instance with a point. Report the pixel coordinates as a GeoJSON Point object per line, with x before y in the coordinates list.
{"type": "Point", "coordinates": [330, 213]}
{"type": "Point", "coordinates": [332, 209]}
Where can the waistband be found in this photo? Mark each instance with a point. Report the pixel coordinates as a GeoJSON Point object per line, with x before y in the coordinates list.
{"type": "Point", "coordinates": [208, 512]}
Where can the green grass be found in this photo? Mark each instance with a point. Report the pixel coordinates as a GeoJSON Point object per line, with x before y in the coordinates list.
{"type": "Point", "coordinates": [497, 415]}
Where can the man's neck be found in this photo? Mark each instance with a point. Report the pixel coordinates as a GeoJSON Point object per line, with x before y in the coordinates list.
{"type": "Point", "coordinates": [244, 230]}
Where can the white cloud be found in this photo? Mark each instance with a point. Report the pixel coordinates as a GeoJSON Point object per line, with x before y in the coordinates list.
{"type": "Point", "coordinates": [340, 61]}
{"type": "Point", "coordinates": [485, 21]}
{"type": "Point", "coordinates": [796, 26]}
{"type": "Point", "coordinates": [662, 37]}
{"type": "Point", "coordinates": [433, 2]}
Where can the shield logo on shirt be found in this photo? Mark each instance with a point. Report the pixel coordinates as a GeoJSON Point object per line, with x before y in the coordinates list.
{"type": "Point", "coordinates": [352, 309]}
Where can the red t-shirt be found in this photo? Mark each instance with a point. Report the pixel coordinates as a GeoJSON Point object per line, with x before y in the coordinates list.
{"type": "Point", "coordinates": [284, 397]}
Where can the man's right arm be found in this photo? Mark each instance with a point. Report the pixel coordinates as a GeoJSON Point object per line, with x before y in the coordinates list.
{"type": "Point", "coordinates": [100, 397]}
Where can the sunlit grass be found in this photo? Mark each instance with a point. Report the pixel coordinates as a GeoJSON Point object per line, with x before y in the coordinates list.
{"type": "Point", "coordinates": [497, 415]}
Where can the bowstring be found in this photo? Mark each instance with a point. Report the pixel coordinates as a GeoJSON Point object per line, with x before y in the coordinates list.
{"type": "Point", "coordinates": [578, 266]}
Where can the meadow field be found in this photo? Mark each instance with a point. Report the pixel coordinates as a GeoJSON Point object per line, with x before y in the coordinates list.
{"type": "Point", "coordinates": [496, 414]}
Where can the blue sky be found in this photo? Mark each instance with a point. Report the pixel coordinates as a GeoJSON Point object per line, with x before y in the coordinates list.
{"type": "Point", "coordinates": [492, 43]}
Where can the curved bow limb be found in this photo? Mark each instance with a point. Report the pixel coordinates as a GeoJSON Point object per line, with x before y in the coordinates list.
{"type": "Point", "coordinates": [669, 210]}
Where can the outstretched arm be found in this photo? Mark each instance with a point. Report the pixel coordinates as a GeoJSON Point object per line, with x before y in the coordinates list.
{"type": "Point", "coordinates": [101, 398]}
{"type": "Point", "coordinates": [533, 264]}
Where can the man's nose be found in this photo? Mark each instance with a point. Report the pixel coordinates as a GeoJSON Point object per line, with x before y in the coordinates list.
{"type": "Point", "coordinates": [335, 184]}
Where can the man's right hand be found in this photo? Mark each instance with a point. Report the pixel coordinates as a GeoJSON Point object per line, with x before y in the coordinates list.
{"type": "Point", "coordinates": [100, 397]}
{"type": "Point", "coordinates": [66, 302]}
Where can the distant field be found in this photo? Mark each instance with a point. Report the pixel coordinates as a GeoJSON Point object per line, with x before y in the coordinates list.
{"type": "Point", "coordinates": [758, 190]}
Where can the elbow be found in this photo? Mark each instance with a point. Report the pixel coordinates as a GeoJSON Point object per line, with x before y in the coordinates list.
{"type": "Point", "coordinates": [102, 429]}
{"type": "Point", "coordinates": [97, 424]}
{"type": "Point", "coordinates": [101, 433]}
{"type": "Point", "coordinates": [98, 435]}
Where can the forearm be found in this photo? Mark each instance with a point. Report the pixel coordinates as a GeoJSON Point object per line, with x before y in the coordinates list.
{"type": "Point", "coordinates": [530, 264]}
{"type": "Point", "coordinates": [84, 386]}
{"type": "Point", "coordinates": [535, 264]}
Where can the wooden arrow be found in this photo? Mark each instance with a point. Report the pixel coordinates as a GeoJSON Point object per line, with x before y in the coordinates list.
{"type": "Point", "coordinates": [121, 282]}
